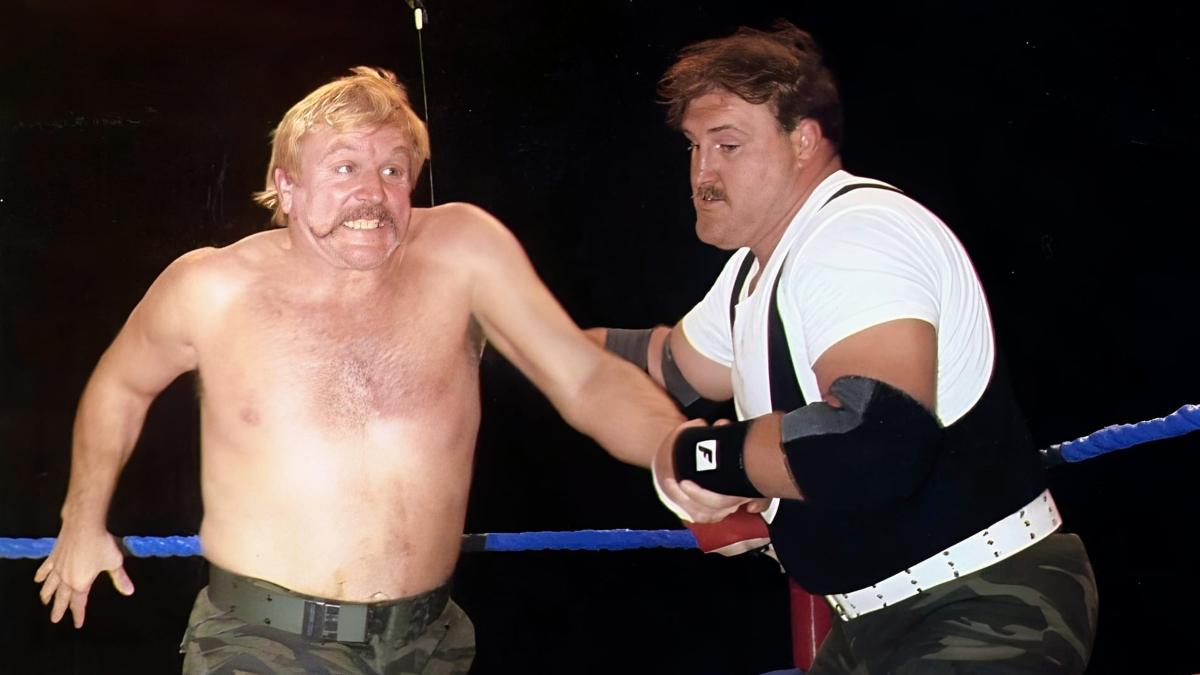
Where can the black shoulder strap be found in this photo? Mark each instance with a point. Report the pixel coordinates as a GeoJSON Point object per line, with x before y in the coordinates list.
{"type": "Point", "coordinates": [856, 186]}
{"type": "Point", "coordinates": [738, 282]}
{"type": "Point", "coordinates": [785, 388]}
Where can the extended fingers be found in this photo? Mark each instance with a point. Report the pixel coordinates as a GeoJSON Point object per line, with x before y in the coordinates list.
{"type": "Point", "coordinates": [78, 607]}
{"type": "Point", "coordinates": [51, 584]}
{"type": "Point", "coordinates": [42, 572]}
{"type": "Point", "coordinates": [62, 599]}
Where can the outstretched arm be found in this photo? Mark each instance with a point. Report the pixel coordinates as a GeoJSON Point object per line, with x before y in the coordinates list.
{"type": "Point", "coordinates": [685, 373]}
{"type": "Point", "coordinates": [151, 350]}
{"type": "Point", "coordinates": [596, 392]}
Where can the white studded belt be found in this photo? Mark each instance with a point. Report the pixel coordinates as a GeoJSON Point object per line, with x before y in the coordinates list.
{"type": "Point", "coordinates": [1011, 534]}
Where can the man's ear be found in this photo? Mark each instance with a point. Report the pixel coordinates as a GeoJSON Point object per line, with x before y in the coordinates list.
{"type": "Point", "coordinates": [284, 186]}
{"type": "Point", "coordinates": [806, 138]}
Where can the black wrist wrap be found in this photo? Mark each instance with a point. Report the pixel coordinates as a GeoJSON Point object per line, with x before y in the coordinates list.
{"type": "Point", "coordinates": [712, 457]}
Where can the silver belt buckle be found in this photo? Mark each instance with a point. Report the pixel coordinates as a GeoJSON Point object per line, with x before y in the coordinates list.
{"type": "Point", "coordinates": [333, 621]}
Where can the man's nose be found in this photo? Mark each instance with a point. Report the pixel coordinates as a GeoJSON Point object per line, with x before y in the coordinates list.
{"type": "Point", "coordinates": [703, 165]}
{"type": "Point", "coordinates": [370, 189]}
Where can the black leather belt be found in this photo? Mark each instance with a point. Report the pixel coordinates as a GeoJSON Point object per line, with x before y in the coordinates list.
{"type": "Point", "coordinates": [260, 602]}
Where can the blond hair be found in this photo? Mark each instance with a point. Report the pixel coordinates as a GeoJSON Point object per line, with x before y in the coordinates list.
{"type": "Point", "coordinates": [371, 97]}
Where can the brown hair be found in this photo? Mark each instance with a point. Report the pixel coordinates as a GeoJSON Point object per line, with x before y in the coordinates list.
{"type": "Point", "coordinates": [781, 67]}
{"type": "Point", "coordinates": [371, 97]}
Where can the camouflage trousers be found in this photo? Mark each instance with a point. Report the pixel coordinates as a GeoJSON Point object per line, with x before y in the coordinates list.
{"type": "Point", "coordinates": [217, 643]}
{"type": "Point", "coordinates": [1034, 612]}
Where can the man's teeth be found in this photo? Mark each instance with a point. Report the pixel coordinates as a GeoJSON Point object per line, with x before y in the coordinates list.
{"type": "Point", "coordinates": [361, 224]}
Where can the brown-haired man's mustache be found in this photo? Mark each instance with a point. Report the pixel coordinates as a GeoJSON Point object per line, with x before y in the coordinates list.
{"type": "Point", "coordinates": [709, 193]}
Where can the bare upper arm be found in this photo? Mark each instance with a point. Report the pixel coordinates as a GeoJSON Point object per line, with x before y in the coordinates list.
{"type": "Point", "coordinates": [518, 314]}
{"type": "Point", "coordinates": [156, 343]}
{"type": "Point", "coordinates": [902, 353]}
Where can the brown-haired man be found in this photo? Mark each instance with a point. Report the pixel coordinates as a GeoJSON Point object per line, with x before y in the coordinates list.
{"type": "Point", "coordinates": [853, 335]}
{"type": "Point", "coordinates": [338, 361]}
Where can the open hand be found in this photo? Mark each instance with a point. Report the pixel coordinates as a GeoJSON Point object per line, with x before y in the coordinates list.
{"type": "Point", "coordinates": [68, 573]}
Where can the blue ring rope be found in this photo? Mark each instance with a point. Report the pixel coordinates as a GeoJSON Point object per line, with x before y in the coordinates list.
{"type": "Point", "coordinates": [1115, 437]}
{"type": "Point", "coordinates": [1118, 436]}
{"type": "Point", "coordinates": [582, 540]}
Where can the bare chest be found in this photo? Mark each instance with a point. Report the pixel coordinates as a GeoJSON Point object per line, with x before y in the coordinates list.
{"type": "Point", "coordinates": [342, 365]}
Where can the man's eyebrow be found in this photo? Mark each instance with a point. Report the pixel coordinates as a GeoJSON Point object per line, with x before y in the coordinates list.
{"type": "Point", "coordinates": [337, 147]}
{"type": "Point", "coordinates": [716, 130]}
{"type": "Point", "coordinates": [340, 145]}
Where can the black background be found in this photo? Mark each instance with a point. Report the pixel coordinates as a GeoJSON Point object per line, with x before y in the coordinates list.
{"type": "Point", "coordinates": [1058, 141]}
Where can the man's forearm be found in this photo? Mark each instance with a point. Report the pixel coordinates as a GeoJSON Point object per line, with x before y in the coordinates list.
{"type": "Point", "coordinates": [106, 428]}
{"type": "Point", "coordinates": [623, 411]}
{"type": "Point", "coordinates": [596, 335]}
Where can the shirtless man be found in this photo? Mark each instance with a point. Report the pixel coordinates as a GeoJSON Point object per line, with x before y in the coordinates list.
{"type": "Point", "coordinates": [338, 362]}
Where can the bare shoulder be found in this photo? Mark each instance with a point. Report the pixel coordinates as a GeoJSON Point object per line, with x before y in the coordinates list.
{"type": "Point", "coordinates": [462, 229]}
{"type": "Point", "coordinates": [211, 274]}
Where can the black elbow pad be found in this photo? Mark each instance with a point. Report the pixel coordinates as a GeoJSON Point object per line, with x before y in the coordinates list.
{"type": "Point", "coordinates": [878, 447]}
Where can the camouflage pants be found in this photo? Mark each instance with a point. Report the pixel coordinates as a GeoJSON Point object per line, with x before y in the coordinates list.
{"type": "Point", "coordinates": [1032, 613]}
{"type": "Point", "coordinates": [218, 644]}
